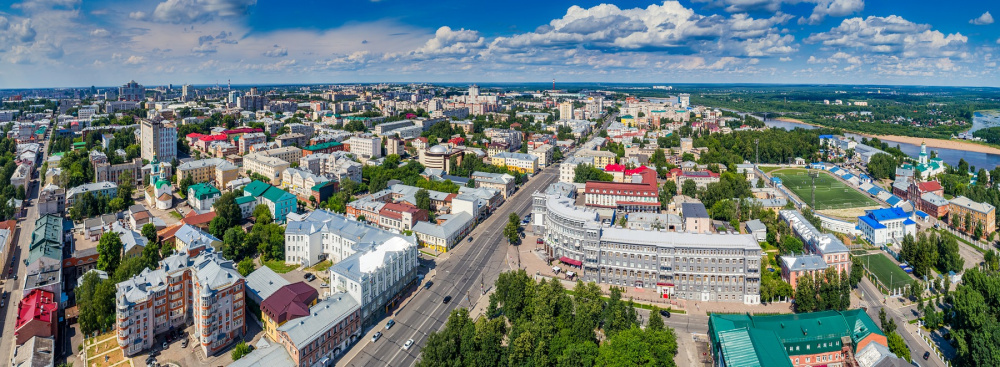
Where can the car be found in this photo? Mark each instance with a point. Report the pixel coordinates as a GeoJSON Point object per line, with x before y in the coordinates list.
{"type": "Point", "coordinates": [324, 285]}
{"type": "Point", "coordinates": [376, 336]}
{"type": "Point", "coordinates": [470, 238]}
{"type": "Point", "coordinates": [428, 284]}
{"type": "Point", "coordinates": [389, 324]}
{"type": "Point", "coordinates": [408, 344]}
{"type": "Point", "coordinates": [184, 343]}
{"type": "Point", "coordinates": [164, 345]}
{"type": "Point", "coordinates": [3, 302]}
{"type": "Point", "coordinates": [927, 355]}
{"type": "Point", "coordinates": [539, 241]}
{"type": "Point", "coordinates": [310, 277]}
{"type": "Point", "coordinates": [446, 299]}
{"type": "Point", "coordinates": [665, 313]}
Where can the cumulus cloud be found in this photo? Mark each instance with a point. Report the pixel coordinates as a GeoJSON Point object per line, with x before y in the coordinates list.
{"type": "Point", "coordinates": [785, 59]}
{"type": "Point", "coordinates": [821, 9]}
{"type": "Point", "coordinates": [668, 27]}
{"type": "Point", "coordinates": [891, 35]}
{"type": "Point", "coordinates": [100, 33]}
{"type": "Point", "coordinates": [135, 60]}
{"type": "Point", "coordinates": [985, 19]}
{"type": "Point", "coordinates": [449, 42]}
{"type": "Point", "coordinates": [195, 11]}
{"type": "Point", "coordinates": [276, 52]}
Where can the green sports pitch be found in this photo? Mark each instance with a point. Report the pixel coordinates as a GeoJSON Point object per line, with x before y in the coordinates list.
{"type": "Point", "coordinates": [886, 271]}
{"type": "Point", "coordinates": [830, 192]}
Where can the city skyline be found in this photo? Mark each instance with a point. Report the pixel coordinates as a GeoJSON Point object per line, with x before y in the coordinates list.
{"type": "Point", "coordinates": [70, 43]}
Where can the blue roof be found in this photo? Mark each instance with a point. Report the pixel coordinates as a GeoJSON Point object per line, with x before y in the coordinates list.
{"type": "Point", "coordinates": [874, 190]}
{"type": "Point", "coordinates": [847, 176]}
{"type": "Point", "coordinates": [887, 214]}
{"type": "Point", "coordinates": [870, 222]}
{"type": "Point", "coordinates": [775, 179]}
{"type": "Point", "coordinates": [893, 200]}
{"type": "Point", "coordinates": [826, 136]}
{"type": "Point", "coordinates": [921, 214]}
{"type": "Point", "coordinates": [865, 177]}
{"type": "Point", "coordinates": [909, 222]}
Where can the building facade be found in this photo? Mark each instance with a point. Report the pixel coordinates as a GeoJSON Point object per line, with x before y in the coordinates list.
{"type": "Point", "coordinates": [961, 209]}
{"type": "Point", "coordinates": [158, 139]}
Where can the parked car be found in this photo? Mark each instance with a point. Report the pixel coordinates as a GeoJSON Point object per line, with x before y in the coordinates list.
{"type": "Point", "coordinates": [665, 313]}
{"type": "Point", "coordinates": [164, 345]}
{"type": "Point", "coordinates": [310, 277]}
{"type": "Point", "coordinates": [539, 241]}
{"type": "Point", "coordinates": [428, 284]}
{"type": "Point", "coordinates": [389, 324]}
{"type": "Point", "coordinates": [446, 299]}
{"type": "Point", "coordinates": [408, 344]}
{"type": "Point", "coordinates": [927, 355]}
{"type": "Point", "coordinates": [376, 336]}
{"type": "Point", "coordinates": [470, 238]}
{"type": "Point", "coordinates": [184, 343]}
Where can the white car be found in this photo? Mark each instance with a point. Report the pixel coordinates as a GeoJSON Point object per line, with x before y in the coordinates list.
{"type": "Point", "coordinates": [409, 343]}
{"type": "Point", "coordinates": [376, 336]}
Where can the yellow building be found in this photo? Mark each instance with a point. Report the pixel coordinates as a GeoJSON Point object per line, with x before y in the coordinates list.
{"type": "Point", "coordinates": [285, 304]}
{"type": "Point", "coordinates": [628, 121]}
{"type": "Point", "coordinates": [602, 158]}
{"type": "Point", "coordinates": [982, 214]}
{"type": "Point", "coordinates": [519, 162]}
{"type": "Point", "coordinates": [217, 170]}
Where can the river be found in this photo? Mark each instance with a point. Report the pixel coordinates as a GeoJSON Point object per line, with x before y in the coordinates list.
{"type": "Point", "coordinates": [950, 156]}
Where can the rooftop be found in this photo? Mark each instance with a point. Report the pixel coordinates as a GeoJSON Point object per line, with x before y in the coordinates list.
{"type": "Point", "coordinates": [694, 210]}
{"type": "Point", "coordinates": [289, 302]}
{"type": "Point", "coordinates": [320, 319]}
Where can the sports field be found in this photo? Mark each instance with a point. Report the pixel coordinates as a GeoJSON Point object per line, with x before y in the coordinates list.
{"type": "Point", "coordinates": [830, 192]}
{"type": "Point", "coordinates": [884, 269]}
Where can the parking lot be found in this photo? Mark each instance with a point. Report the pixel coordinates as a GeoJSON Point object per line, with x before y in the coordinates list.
{"type": "Point", "coordinates": [191, 355]}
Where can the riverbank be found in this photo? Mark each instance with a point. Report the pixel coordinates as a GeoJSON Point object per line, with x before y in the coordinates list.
{"type": "Point", "coordinates": [931, 143]}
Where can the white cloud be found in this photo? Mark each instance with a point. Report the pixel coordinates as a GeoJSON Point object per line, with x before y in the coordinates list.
{"type": "Point", "coordinates": [100, 32]}
{"type": "Point", "coordinates": [135, 60]}
{"type": "Point", "coordinates": [192, 11]}
{"type": "Point", "coordinates": [276, 52]}
{"type": "Point", "coordinates": [785, 59]}
{"type": "Point", "coordinates": [984, 19]}
{"type": "Point", "coordinates": [821, 10]}
{"type": "Point", "coordinates": [891, 35]}
{"type": "Point", "coordinates": [833, 8]}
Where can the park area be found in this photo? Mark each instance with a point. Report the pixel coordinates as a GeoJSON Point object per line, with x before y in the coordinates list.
{"type": "Point", "coordinates": [886, 271]}
{"type": "Point", "coordinates": [830, 192]}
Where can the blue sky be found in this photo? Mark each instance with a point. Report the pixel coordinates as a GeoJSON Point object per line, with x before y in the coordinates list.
{"type": "Point", "coordinates": [62, 43]}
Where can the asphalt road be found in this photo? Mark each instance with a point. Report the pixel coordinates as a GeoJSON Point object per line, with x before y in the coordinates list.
{"type": "Point", "coordinates": [872, 299]}
{"type": "Point", "coordinates": [13, 288]}
{"type": "Point", "coordinates": [459, 276]}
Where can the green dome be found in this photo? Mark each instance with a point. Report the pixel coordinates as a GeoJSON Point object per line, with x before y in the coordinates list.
{"type": "Point", "coordinates": [161, 182]}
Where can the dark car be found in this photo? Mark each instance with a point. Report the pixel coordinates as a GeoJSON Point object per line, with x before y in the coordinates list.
{"type": "Point", "coordinates": [428, 284]}
{"type": "Point", "coordinates": [665, 313]}
{"type": "Point", "coordinates": [927, 355]}
{"type": "Point", "coordinates": [446, 299]}
{"type": "Point", "coordinates": [310, 277]}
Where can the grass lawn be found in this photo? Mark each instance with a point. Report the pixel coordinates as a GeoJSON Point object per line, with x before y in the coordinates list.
{"type": "Point", "coordinates": [769, 169]}
{"type": "Point", "coordinates": [175, 214]}
{"type": "Point", "coordinates": [830, 193]}
{"type": "Point", "coordinates": [279, 266]}
{"type": "Point", "coordinates": [322, 266]}
{"type": "Point", "coordinates": [884, 269]}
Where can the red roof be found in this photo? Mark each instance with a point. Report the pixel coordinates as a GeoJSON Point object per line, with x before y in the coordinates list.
{"type": "Point", "coordinates": [289, 302]}
{"type": "Point", "coordinates": [648, 185]}
{"type": "Point", "coordinates": [203, 137]}
{"type": "Point", "coordinates": [458, 140]}
{"type": "Point", "coordinates": [929, 186]}
{"type": "Point", "coordinates": [37, 305]}
{"type": "Point", "coordinates": [569, 261]}
{"type": "Point", "coordinates": [614, 168]}
{"type": "Point", "coordinates": [243, 130]}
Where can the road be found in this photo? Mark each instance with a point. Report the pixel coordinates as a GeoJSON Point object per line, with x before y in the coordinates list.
{"type": "Point", "coordinates": [458, 276]}
{"type": "Point", "coordinates": [872, 299]}
{"type": "Point", "coordinates": [12, 287]}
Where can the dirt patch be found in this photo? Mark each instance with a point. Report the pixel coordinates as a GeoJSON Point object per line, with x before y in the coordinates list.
{"type": "Point", "coordinates": [847, 214]}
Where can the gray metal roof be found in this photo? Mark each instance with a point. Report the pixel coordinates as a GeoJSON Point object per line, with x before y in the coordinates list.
{"type": "Point", "coordinates": [694, 210]}
{"type": "Point", "coordinates": [756, 225]}
{"type": "Point", "coordinates": [264, 282]}
{"type": "Point", "coordinates": [803, 262]}
{"type": "Point", "coordinates": [458, 222]}
{"type": "Point", "coordinates": [322, 317]}
{"type": "Point", "coordinates": [680, 239]}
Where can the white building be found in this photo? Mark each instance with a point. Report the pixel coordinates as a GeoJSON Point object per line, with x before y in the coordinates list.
{"type": "Point", "coordinates": [442, 237]}
{"type": "Point", "coordinates": [320, 234]}
{"type": "Point", "coordinates": [884, 226]}
{"type": "Point", "coordinates": [376, 273]}
{"type": "Point", "coordinates": [158, 140]}
{"type": "Point", "coordinates": [366, 146]}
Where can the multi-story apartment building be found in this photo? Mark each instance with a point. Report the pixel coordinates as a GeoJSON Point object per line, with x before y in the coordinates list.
{"type": "Point", "coordinates": [641, 194]}
{"type": "Point", "coordinates": [216, 170]}
{"type": "Point", "coordinates": [366, 146]}
{"type": "Point", "coordinates": [103, 171]}
{"type": "Point", "coordinates": [520, 162]}
{"type": "Point", "coordinates": [321, 234]}
{"type": "Point", "coordinates": [201, 196]}
{"type": "Point", "coordinates": [567, 169]}
{"type": "Point", "coordinates": [301, 182]}
{"type": "Point", "coordinates": [287, 154]}
{"type": "Point", "coordinates": [599, 158]}
{"type": "Point", "coordinates": [263, 164]}
{"type": "Point", "coordinates": [961, 209]}
{"type": "Point", "coordinates": [501, 182]}
{"type": "Point", "coordinates": [51, 200]}
{"type": "Point", "coordinates": [833, 252]}
{"type": "Point", "coordinates": [376, 273]}
{"type": "Point", "coordinates": [544, 154]}
{"type": "Point", "coordinates": [206, 291]}
{"type": "Point", "coordinates": [331, 326]}
{"type": "Point", "coordinates": [692, 266]}
{"type": "Point", "coordinates": [105, 188]}
{"type": "Point", "coordinates": [291, 139]}
{"type": "Point", "coordinates": [131, 91]}
{"type": "Point", "coordinates": [399, 216]}
{"type": "Point", "coordinates": [158, 140]}
{"type": "Point", "coordinates": [700, 178]}
{"type": "Point", "coordinates": [513, 138]}
{"type": "Point", "coordinates": [248, 140]}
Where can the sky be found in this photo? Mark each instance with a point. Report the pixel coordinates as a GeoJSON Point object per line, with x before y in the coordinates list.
{"type": "Point", "coordinates": [72, 43]}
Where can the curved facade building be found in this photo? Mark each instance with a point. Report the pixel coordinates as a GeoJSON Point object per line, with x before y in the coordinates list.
{"type": "Point", "coordinates": [692, 266]}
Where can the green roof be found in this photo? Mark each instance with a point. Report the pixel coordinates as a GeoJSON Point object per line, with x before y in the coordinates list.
{"type": "Point", "coordinates": [245, 199]}
{"type": "Point", "coordinates": [204, 190]}
{"type": "Point", "coordinates": [275, 194]}
{"type": "Point", "coordinates": [322, 185]}
{"type": "Point", "coordinates": [798, 334]}
{"type": "Point", "coordinates": [752, 348]}
{"type": "Point", "coordinates": [161, 182]}
{"type": "Point", "coordinates": [46, 239]}
{"type": "Point", "coordinates": [322, 146]}
{"type": "Point", "coordinates": [79, 144]}
{"type": "Point", "coordinates": [627, 117]}
{"type": "Point", "coordinates": [256, 188]}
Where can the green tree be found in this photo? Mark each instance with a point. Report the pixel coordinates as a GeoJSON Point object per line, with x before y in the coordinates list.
{"type": "Point", "coordinates": [149, 232]}
{"type": "Point", "coordinates": [240, 350]}
{"type": "Point", "coordinates": [805, 295]}
{"type": "Point", "coordinates": [234, 244]}
{"type": "Point", "coordinates": [898, 346]}
{"type": "Point", "coordinates": [109, 252]}
{"type": "Point", "coordinates": [227, 214]}
{"type": "Point", "coordinates": [585, 172]}
{"type": "Point", "coordinates": [262, 214]}
{"type": "Point", "coordinates": [512, 230]}
{"type": "Point", "coordinates": [246, 266]}
{"type": "Point", "coordinates": [689, 188]}
{"type": "Point", "coordinates": [882, 166]}
{"type": "Point", "coordinates": [423, 198]}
